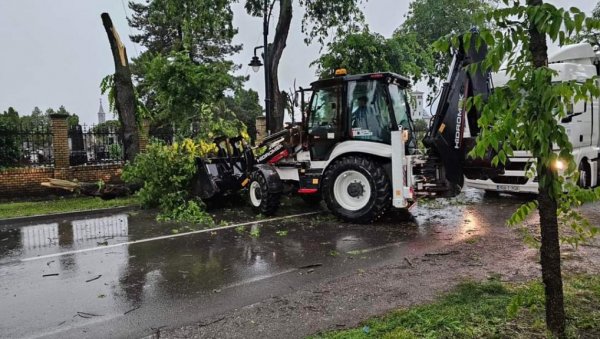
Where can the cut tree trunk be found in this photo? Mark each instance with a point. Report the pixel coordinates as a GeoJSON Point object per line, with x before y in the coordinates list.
{"type": "Point", "coordinates": [94, 189]}
{"type": "Point", "coordinates": [125, 101]}
{"type": "Point", "coordinates": [276, 50]}
{"type": "Point", "coordinates": [550, 249]}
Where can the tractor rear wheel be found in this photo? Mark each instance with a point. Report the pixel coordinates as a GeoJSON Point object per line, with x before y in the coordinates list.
{"type": "Point", "coordinates": [261, 199]}
{"type": "Point", "coordinates": [357, 189]}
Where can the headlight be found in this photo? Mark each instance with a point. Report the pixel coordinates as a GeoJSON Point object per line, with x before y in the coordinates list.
{"type": "Point", "coordinates": [559, 165]}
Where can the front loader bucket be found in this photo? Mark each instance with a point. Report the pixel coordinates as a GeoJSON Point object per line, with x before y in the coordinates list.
{"type": "Point", "coordinates": [203, 184]}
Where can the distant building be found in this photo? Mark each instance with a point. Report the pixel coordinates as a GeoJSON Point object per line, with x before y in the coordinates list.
{"type": "Point", "coordinates": [101, 114]}
{"type": "Point", "coordinates": [416, 105]}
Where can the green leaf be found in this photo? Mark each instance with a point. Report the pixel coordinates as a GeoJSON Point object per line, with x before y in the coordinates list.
{"type": "Point", "coordinates": [579, 17]}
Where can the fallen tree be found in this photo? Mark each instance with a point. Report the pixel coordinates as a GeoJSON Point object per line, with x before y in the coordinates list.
{"type": "Point", "coordinates": [98, 189]}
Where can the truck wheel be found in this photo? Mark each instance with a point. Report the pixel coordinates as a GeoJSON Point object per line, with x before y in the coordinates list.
{"type": "Point", "coordinates": [585, 174]}
{"type": "Point", "coordinates": [261, 199]}
{"type": "Point", "coordinates": [357, 189]}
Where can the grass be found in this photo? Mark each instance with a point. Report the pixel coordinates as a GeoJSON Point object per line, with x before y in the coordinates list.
{"type": "Point", "coordinates": [488, 310]}
{"type": "Point", "coordinates": [63, 205]}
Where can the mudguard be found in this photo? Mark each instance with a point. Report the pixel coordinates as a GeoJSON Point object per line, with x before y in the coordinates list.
{"type": "Point", "coordinates": [271, 176]}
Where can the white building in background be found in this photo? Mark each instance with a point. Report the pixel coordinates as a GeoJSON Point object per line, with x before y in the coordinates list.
{"type": "Point", "coordinates": [416, 104]}
{"type": "Point", "coordinates": [101, 114]}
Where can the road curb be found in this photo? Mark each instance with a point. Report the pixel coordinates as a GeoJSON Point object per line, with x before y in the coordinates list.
{"type": "Point", "coordinates": [23, 221]}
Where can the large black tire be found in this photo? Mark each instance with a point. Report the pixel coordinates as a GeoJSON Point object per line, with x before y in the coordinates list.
{"type": "Point", "coordinates": [261, 199]}
{"type": "Point", "coordinates": [585, 174]}
{"type": "Point", "coordinates": [369, 200]}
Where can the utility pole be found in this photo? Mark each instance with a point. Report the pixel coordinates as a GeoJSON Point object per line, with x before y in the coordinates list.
{"type": "Point", "coordinates": [268, 111]}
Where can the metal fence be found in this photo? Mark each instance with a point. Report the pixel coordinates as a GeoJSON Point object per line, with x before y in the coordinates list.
{"type": "Point", "coordinates": [93, 144]}
{"type": "Point", "coordinates": [25, 145]}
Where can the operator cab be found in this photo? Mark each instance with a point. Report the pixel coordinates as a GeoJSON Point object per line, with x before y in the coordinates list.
{"type": "Point", "coordinates": [363, 107]}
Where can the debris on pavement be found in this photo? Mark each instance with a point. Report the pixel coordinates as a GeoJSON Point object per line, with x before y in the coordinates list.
{"type": "Point", "coordinates": [441, 253]}
{"type": "Point", "coordinates": [131, 310]}
{"type": "Point", "coordinates": [96, 278]}
{"type": "Point", "coordinates": [310, 266]}
{"type": "Point", "coordinates": [86, 315]}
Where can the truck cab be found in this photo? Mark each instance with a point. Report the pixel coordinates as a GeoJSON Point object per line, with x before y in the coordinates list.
{"type": "Point", "coordinates": [578, 62]}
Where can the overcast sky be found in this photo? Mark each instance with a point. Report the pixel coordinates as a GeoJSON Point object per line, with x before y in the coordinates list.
{"type": "Point", "coordinates": [56, 52]}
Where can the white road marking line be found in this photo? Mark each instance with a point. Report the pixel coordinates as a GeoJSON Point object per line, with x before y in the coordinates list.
{"type": "Point", "coordinates": [373, 249]}
{"type": "Point", "coordinates": [258, 278]}
{"type": "Point", "coordinates": [167, 237]}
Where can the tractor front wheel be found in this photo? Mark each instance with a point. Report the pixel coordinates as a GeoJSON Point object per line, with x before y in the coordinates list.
{"type": "Point", "coordinates": [261, 199]}
{"type": "Point", "coordinates": [357, 189]}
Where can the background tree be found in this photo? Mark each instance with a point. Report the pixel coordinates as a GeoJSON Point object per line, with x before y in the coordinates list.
{"type": "Point", "coordinates": [524, 114]}
{"type": "Point", "coordinates": [36, 119]}
{"type": "Point", "coordinates": [109, 126]}
{"type": "Point", "coordinates": [592, 35]}
{"type": "Point", "coordinates": [36, 112]}
{"type": "Point", "coordinates": [203, 28]}
{"type": "Point", "coordinates": [11, 114]}
{"type": "Point", "coordinates": [72, 119]}
{"type": "Point", "coordinates": [9, 138]}
{"type": "Point", "coordinates": [368, 52]}
{"type": "Point", "coordinates": [185, 64]}
{"type": "Point", "coordinates": [321, 18]}
{"type": "Point", "coordinates": [429, 20]}
{"type": "Point", "coordinates": [180, 87]}
{"type": "Point", "coordinates": [245, 104]}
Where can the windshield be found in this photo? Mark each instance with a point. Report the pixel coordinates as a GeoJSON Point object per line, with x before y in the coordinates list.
{"type": "Point", "coordinates": [369, 109]}
{"type": "Point", "coordinates": [400, 103]}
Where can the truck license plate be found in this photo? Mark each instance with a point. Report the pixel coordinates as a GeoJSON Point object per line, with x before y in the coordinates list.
{"type": "Point", "coordinates": [511, 188]}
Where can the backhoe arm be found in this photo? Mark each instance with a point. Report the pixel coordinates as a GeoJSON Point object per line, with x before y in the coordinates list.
{"type": "Point", "coordinates": [446, 140]}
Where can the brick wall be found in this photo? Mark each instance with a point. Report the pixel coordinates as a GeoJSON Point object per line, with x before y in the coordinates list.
{"type": "Point", "coordinates": [26, 182]}
{"type": "Point", "coordinates": [23, 182]}
{"type": "Point", "coordinates": [108, 173]}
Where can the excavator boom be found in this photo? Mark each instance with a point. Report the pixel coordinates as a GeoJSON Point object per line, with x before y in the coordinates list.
{"type": "Point", "coordinates": [446, 140]}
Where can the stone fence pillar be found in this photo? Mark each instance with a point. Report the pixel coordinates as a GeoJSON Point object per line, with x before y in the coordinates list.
{"type": "Point", "coordinates": [60, 144]}
{"type": "Point", "coordinates": [261, 129]}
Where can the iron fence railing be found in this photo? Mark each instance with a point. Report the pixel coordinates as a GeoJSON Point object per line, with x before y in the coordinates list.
{"type": "Point", "coordinates": [93, 144]}
{"type": "Point", "coordinates": [25, 145]}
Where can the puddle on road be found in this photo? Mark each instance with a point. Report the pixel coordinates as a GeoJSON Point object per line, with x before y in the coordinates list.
{"type": "Point", "coordinates": [41, 239]}
{"type": "Point", "coordinates": [119, 279]}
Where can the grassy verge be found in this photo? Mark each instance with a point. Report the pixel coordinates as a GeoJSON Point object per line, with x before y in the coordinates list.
{"type": "Point", "coordinates": [25, 209]}
{"type": "Point", "coordinates": [489, 310]}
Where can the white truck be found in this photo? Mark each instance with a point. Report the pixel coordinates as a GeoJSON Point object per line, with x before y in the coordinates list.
{"type": "Point", "coordinates": [578, 62]}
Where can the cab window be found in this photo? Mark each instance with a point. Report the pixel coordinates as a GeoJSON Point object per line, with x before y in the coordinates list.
{"type": "Point", "coordinates": [324, 109]}
{"type": "Point", "coordinates": [400, 103]}
{"type": "Point", "coordinates": [369, 111]}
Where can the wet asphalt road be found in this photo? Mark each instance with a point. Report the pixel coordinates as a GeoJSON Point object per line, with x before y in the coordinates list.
{"type": "Point", "coordinates": [125, 275]}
